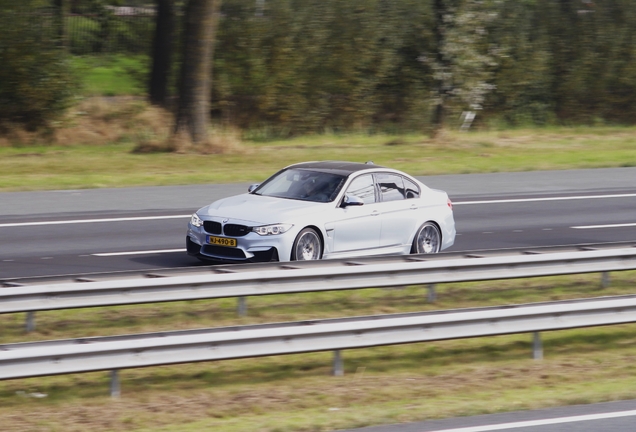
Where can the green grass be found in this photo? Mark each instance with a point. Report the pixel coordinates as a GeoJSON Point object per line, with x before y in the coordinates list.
{"type": "Point", "coordinates": [113, 165]}
{"type": "Point", "coordinates": [111, 74]}
{"type": "Point", "coordinates": [295, 393]}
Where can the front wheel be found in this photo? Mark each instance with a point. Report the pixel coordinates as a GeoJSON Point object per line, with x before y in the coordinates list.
{"type": "Point", "coordinates": [428, 239]}
{"type": "Point", "coordinates": [307, 246]}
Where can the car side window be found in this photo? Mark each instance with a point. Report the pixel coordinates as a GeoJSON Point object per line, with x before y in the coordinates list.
{"type": "Point", "coordinates": [391, 187]}
{"type": "Point", "coordinates": [410, 189]}
{"type": "Point", "coordinates": [363, 188]}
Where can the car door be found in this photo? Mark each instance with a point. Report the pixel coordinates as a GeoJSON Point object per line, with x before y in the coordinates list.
{"type": "Point", "coordinates": [357, 228]}
{"type": "Point", "coordinates": [397, 215]}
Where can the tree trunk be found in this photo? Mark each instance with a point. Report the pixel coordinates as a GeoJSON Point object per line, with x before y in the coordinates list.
{"type": "Point", "coordinates": [162, 52]}
{"type": "Point", "coordinates": [439, 10]}
{"type": "Point", "coordinates": [61, 7]}
{"type": "Point", "coordinates": [193, 112]}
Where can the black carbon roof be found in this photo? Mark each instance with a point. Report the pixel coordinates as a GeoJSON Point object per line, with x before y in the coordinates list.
{"type": "Point", "coordinates": [336, 167]}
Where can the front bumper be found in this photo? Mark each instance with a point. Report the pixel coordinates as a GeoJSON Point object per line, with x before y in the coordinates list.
{"type": "Point", "coordinates": [229, 255]}
{"type": "Point", "coordinates": [250, 246]}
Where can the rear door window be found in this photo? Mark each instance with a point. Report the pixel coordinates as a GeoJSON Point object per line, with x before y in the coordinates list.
{"type": "Point", "coordinates": [391, 186]}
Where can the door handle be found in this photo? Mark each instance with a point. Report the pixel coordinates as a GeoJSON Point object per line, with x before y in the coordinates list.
{"type": "Point", "coordinates": [375, 213]}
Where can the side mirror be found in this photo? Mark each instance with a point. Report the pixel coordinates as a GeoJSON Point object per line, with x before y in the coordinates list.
{"type": "Point", "coordinates": [253, 187]}
{"type": "Point", "coordinates": [351, 200]}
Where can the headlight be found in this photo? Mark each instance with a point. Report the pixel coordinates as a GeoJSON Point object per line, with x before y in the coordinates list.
{"type": "Point", "coordinates": [272, 229]}
{"type": "Point", "coordinates": [196, 221]}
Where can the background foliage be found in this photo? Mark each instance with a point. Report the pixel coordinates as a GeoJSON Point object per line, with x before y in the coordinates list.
{"type": "Point", "coordinates": [305, 65]}
{"type": "Point", "coordinates": [105, 26]}
{"type": "Point", "coordinates": [36, 83]}
{"type": "Point", "coordinates": [288, 67]}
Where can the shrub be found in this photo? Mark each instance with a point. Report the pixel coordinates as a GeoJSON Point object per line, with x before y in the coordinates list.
{"type": "Point", "coordinates": [36, 80]}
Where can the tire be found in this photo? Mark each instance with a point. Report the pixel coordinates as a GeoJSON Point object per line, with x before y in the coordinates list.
{"type": "Point", "coordinates": [307, 246]}
{"type": "Point", "coordinates": [428, 239]}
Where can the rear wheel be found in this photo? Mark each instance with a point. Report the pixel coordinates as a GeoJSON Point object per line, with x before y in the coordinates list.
{"type": "Point", "coordinates": [428, 239]}
{"type": "Point", "coordinates": [307, 246]}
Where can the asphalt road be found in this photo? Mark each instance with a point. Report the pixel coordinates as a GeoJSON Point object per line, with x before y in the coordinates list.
{"type": "Point", "coordinates": [104, 230]}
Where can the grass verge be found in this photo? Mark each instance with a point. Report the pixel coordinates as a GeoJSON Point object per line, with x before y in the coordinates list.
{"type": "Point", "coordinates": [295, 393]}
{"type": "Point", "coordinates": [105, 157]}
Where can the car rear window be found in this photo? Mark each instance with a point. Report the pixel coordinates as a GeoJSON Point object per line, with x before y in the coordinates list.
{"type": "Point", "coordinates": [411, 190]}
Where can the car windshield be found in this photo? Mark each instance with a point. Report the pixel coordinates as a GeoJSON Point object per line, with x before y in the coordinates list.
{"type": "Point", "coordinates": [301, 184]}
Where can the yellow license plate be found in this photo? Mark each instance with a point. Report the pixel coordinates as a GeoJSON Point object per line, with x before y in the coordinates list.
{"type": "Point", "coordinates": [222, 241]}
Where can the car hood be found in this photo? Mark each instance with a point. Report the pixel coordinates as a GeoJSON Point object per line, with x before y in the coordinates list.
{"type": "Point", "coordinates": [260, 209]}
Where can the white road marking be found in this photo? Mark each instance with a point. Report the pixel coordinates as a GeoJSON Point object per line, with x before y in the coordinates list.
{"type": "Point", "coordinates": [604, 226]}
{"type": "Point", "coordinates": [109, 254]}
{"type": "Point", "coordinates": [532, 423]}
{"type": "Point", "coordinates": [80, 221]}
{"type": "Point", "coordinates": [566, 198]}
{"type": "Point", "coordinates": [148, 218]}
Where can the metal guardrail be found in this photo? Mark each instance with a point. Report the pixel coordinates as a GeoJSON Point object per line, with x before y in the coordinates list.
{"type": "Point", "coordinates": [197, 268]}
{"type": "Point", "coordinates": [22, 360]}
{"type": "Point", "coordinates": [297, 279]}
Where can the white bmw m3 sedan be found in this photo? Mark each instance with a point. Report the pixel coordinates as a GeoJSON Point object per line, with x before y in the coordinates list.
{"type": "Point", "coordinates": [323, 210]}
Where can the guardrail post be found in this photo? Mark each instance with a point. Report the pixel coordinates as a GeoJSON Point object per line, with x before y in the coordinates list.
{"type": "Point", "coordinates": [115, 389]}
{"type": "Point", "coordinates": [432, 295]}
{"type": "Point", "coordinates": [537, 347]}
{"type": "Point", "coordinates": [338, 368]}
{"type": "Point", "coordinates": [242, 307]}
{"type": "Point", "coordinates": [605, 279]}
{"type": "Point", "coordinates": [30, 322]}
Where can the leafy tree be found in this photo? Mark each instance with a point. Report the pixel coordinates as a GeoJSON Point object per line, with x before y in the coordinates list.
{"type": "Point", "coordinates": [594, 60]}
{"type": "Point", "coordinates": [524, 74]}
{"type": "Point", "coordinates": [463, 60]}
{"type": "Point", "coordinates": [36, 81]}
{"type": "Point", "coordinates": [305, 65]}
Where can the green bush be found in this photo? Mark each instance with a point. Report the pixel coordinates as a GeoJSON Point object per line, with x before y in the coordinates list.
{"type": "Point", "coordinates": [302, 66]}
{"type": "Point", "coordinates": [297, 66]}
{"type": "Point", "coordinates": [36, 82]}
